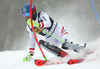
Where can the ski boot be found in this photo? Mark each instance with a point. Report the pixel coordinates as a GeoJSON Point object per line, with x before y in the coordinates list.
{"type": "Point", "coordinates": [74, 47]}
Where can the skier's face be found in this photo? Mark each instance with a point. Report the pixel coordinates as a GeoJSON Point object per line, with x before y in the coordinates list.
{"type": "Point", "coordinates": [26, 15]}
{"type": "Point", "coordinates": [27, 18]}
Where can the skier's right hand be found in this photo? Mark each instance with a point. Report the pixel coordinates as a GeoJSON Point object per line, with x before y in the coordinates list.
{"type": "Point", "coordinates": [34, 23]}
{"type": "Point", "coordinates": [28, 57]}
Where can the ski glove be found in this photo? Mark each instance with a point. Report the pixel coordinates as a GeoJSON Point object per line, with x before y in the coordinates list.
{"type": "Point", "coordinates": [28, 57]}
{"type": "Point", "coordinates": [34, 23]}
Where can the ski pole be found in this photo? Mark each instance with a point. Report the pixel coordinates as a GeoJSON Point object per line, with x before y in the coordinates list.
{"type": "Point", "coordinates": [53, 36]}
{"type": "Point", "coordinates": [34, 32]}
{"type": "Point", "coordinates": [40, 29]}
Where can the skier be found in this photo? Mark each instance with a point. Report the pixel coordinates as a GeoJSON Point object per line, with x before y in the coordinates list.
{"type": "Point", "coordinates": [43, 22]}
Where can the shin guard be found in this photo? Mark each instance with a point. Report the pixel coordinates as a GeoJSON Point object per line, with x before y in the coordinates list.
{"type": "Point", "coordinates": [53, 49]}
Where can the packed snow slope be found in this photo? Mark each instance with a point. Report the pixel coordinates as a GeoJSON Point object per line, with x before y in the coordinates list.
{"type": "Point", "coordinates": [13, 59]}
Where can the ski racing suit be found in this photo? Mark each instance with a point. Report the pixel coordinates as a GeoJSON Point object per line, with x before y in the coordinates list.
{"type": "Point", "coordinates": [49, 25]}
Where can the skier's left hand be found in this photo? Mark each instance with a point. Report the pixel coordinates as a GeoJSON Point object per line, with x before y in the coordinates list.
{"type": "Point", "coordinates": [34, 23]}
{"type": "Point", "coordinates": [28, 57]}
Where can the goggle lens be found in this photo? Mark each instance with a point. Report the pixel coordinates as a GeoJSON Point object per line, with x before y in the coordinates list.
{"type": "Point", "coordinates": [26, 14]}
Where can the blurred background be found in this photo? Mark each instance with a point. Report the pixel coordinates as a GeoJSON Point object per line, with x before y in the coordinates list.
{"type": "Point", "coordinates": [77, 16]}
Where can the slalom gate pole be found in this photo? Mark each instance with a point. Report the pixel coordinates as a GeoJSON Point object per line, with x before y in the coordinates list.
{"type": "Point", "coordinates": [95, 11]}
{"type": "Point", "coordinates": [34, 32]}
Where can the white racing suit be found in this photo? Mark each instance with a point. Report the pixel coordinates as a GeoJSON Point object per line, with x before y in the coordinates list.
{"type": "Point", "coordinates": [48, 24]}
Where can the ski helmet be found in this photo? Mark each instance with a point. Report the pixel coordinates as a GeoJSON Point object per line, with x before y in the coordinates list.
{"type": "Point", "coordinates": [26, 10]}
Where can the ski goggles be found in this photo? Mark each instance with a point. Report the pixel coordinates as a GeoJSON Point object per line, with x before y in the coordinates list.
{"type": "Point", "coordinates": [26, 14]}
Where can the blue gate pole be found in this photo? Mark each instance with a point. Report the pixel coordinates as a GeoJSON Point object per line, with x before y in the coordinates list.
{"type": "Point", "coordinates": [95, 12]}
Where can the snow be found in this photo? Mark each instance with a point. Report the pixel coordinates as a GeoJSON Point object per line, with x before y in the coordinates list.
{"type": "Point", "coordinates": [14, 59]}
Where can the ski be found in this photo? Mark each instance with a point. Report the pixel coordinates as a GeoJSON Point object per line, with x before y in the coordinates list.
{"type": "Point", "coordinates": [39, 62]}
{"type": "Point", "coordinates": [74, 61]}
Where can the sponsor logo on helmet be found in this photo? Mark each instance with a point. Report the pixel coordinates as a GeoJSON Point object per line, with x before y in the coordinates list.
{"type": "Point", "coordinates": [24, 10]}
